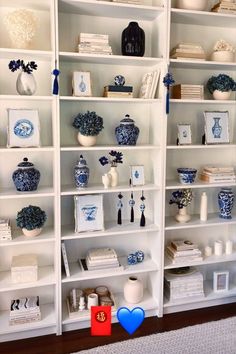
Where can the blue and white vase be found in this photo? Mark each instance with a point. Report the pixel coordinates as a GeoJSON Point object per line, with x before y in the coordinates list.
{"type": "Point", "coordinates": [217, 128]}
{"type": "Point", "coordinates": [127, 133]}
{"type": "Point", "coordinates": [81, 173]}
{"type": "Point", "coordinates": [226, 202]}
{"type": "Point", "coordinates": [26, 177]}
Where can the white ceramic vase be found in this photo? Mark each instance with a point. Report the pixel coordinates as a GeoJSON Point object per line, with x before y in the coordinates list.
{"type": "Point", "coordinates": [31, 233]}
{"type": "Point", "coordinates": [114, 176]}
{"type": "Point", "coordinates": [86, 140]}
{"type": "Point", "coordinates": [196, 5]}
{"type": "Point", "coordinates": [26, 84]}
{"type": "Point", "coordinates": [223, 55]}
{"type": "Point", "coordinates": [106, 180]}
{"type": "Point", "coordinates": [182, 215]}
{"type": "Point", "coordinates": [133, 290]}
{"type": "Point", "coordinates": [221, 95]}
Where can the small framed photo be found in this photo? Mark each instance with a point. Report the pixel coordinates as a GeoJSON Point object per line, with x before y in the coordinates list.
{"type": "Point", "coordinates": [216, 127]}
{"type": "Point", "coordinates": [81, 83]}
{"type": "Point", "coordinates": [88, 213]}
{"type": "Point", "coordinates": [137, 175]}
{"type": "Point", "coordinates": [184, 134]}
{"type": "Point", "coordinates": [23, 128]}
{"type": "Point", "coordinates": [221, 281]}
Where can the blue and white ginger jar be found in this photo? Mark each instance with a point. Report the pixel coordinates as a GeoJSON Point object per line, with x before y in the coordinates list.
{"type": "Point", "coordinates": [226, 202]}
{"type": "Point", "coordinates": [26, 177]}
{"type": "Point", "coordinates": [127, 133]}
{"type": "Point", "coordinates": [81, 173]}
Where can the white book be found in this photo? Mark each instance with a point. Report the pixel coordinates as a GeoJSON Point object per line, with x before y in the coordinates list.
{"type": "Point", "coordinates": [65, 260]}
{"type": "Point", "coordinates": [154, 83]}
{"type": "Point", "coordinates": [146, 85]}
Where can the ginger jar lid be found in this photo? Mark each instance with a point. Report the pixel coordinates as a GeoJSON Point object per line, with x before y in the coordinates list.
{"type": "Point", "coordinates": [81, 162]}
{"type": "Point", "coordinates": [25, 163]}
{"type": "Point", "coordinates": [127, 120]}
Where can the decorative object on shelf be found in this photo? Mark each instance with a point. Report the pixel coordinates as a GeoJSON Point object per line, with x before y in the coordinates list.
{"type": "Point", "coordinates": [127, 132]}
{"type": "Point", "coordinates": [31, 220]}
{"type": "Point", "coordinates": [221, 86]}
{"type": "Point", "coordinates": [168, 82]}
{"type": "Point", "coordinates": [89, 212]}
{"type": "Point", "coordinates": [5, 230]}
{"type": "Point", "coordinates": [106, 180]}
{"type": "Point", "coordinates": [81, 303]}
{"type": "Point", "coordinates": [21, 25]}
{"type": "Point", "coordinates": [116, 158]}
{"type": "Point", "coordinates": [213, 174]}
{"type": "Point", "coordinates": [226, 202]}
{"type": "Point", "coordinates": [228, 247]}
{"type": "Point", "coordinates": [81, 173]}
{"type": "Point", "coordinates": [119, 80]}
{"type": "Point", "coordinates": [118, 90]}
{"type": "Point", "coordinates": [148, 85]}
{"type": "Point", "coordinates": [221, 281]}
{"type": "Point", "coordinates": [188, 92]}
{"type": "Point", "coordinates": [133, 40]}
{"type": "Point", "coordinates": [81, 84]}
{"type": "Point", "coordinates": [23, 128]}
{"type": "Point", "coordinates": [187, 175]}
{"type": "Point", "coordinates": [92, 300]}
{"type": "Point", "coordinates": [132, 259]}
{"type": "Point", "coordinates": [120, 206]}
{"type": "Point", "coordinates": [25, 83]}
{"type": "Point", "coordinates": [140, 256]}
{"type": "Point", "coordinates": [56, 73]}
{"type": "Point", "coordinates": [24, 268]}
{"type": "Point", "coordinates": [65, 259]}
{"type": "Point", "coordinates": [183, 251]}
{"type": "Point", "coordinates": [208, 251]}
{"type": "Point", "coordinates": [137, 175]}
{"type": "Point", "coordinates": [223, 51]}
{"type": "Point", "coordinates": [133, 290]}
{"type": "Point", "coordinates": [182, 198]}
{"type": "Point", "coordinates": [131, 204]}
{"type": "Point", "coordinates": [26, 177]}
{"type": "Point", "coordinates": [184, 134]}
{"type": "Point", "coordinates": [216, 127]}
{"type": "Point", "coordinates": [190, 51]}
{"type": "Point", "coordinates": [199, 5]}
{"type": "Point", "coordinates": [225, 6]}
{"type": "Point", "coordinates": [101, 259]}
{"type": "Point", "coordinates": [142, 208]}
{"type": "Point", "coordinates": [94, 43]}
{"type": "Point", "coordinates": [203, 207]}
{"type": "Point", "coordinates": [89, 125]}
{"type": "Point", "coordinates": [24, 310]}
{"type": "Point", "coordinates": [218, 248]}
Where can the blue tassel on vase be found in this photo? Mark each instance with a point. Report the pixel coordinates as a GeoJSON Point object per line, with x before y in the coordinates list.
{"type": "Point", "coordinates": [56, 73]}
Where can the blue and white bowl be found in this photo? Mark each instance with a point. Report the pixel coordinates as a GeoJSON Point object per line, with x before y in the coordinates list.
{"type": "Point", "coordinates": [186, 175]}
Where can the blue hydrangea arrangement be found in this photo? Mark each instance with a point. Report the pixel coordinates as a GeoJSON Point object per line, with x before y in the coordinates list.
{"type": "Point", "coordinates": [222, 83]}
{"type": "Point", "coordinates": [88, 123]}
{"type": "Point", "coordinates": [31, 217]}
{"type": "Point", "coordinates": [28, 68]}
{"type": "Point", "coordinates": [182, 197]}
{"type": "Point", "coordinates": [116, 158]}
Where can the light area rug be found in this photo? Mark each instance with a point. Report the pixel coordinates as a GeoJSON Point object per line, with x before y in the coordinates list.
{"type": "Point", "coordinates": [217, 337]}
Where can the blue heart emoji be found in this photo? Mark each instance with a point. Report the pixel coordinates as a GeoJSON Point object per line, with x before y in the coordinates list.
{"type": "Point", "coordinates": [130, 320]}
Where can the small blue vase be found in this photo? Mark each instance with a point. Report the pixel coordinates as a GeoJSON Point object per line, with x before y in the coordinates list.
{"type": "Point", "coordinates": [127, 133]}
{"type": "Point", "coordinates": [226, 202]}
{"type": "Point", "coordinates": [26, 177]}
{"type": "Point", "coordinates": [81, 173]}
{"type": "Point", "coordinates": [217, 128]}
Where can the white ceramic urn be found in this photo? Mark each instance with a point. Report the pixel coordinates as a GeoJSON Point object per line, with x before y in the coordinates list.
{"type": "Point", "coordinates": [32, 233]}
{"type": "Point", "coordinates": [196, 5]}
{"type": "Point", "coordinates": [221, 95]}
{"type": "Point", "coordinates": [86, 140]}
{"type": "Point", "coordinates": [133, 290]}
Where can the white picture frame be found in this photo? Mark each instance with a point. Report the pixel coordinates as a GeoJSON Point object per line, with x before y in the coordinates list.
{"type": "Point", "coordinates": [216, 127]}
{"type": "Point", "coordinates": [23, 128]}
{"type": "Point", "coordinates": [221, 281]}
{"type": "Point", "coordinates": [137, 175]}
{"type": "Point", "coordinates": [184, 134]}
{"type": "Point", "coordinates": [81, 84]}
{"type": "Point", "coordinates": [88, 212]}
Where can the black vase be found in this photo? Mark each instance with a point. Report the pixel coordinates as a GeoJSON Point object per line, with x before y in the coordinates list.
{"type": "Point", "coordinates": [133, 40]}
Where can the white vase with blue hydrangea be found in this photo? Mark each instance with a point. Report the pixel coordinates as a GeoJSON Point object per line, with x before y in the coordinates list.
{"type": "Point", "coordinates": [25, 84]}
{"type": "Point", "coordinates": [182, 198]}
{"type": "Point", "coordinates": [89, 125]}
{"type": "Point", "coordinates": [115, 158]}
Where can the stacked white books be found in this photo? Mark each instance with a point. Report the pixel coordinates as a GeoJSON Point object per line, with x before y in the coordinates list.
{"type": "Point", "coordinates": [188, 51]}
{"type": "Point", "coordinates": [183, 251]}
{"type": "Point", "coordinates": [183, 283]}
{"type": "Point", "coordinates": [25, 310]}
{"type": "Point", "coordinates": [227, 7]}
{"type": "Point", "coordinates": [187, 91]}
{"type": "Point", "coordinates": [102, 258]}
{"type": "Point", "coordinates": [149, 84]}
{"type": "Point", "coordinates": [94, 43]}
{"type": "Point", "coordinates": [5, 230]}
{"type": "Point", "coordinates": [213, 174]}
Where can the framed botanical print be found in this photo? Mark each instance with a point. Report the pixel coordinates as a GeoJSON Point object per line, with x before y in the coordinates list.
{"type": "Point", "coordinates": [216, 127]}
{"type": "Point", "coordinates": [81, 83]}
{"type": "Point", "coordinates": [184, 134]}
{"type": "Point", "coordinates": [88, 211]}
{"type": "Point", "coordinates": [137, 175]}
{"type": "Point", "coordinates": [23, 128]}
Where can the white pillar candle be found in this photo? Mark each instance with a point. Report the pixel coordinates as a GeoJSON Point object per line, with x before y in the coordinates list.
{"type": "Point", "coordinates": [203, 207]}
{"type": "Point", "coordinates": [208, 251]}
{"type": "Point", "coordinates": [228, 247]}
{"type": "Point", "coordinates": [218, 248]}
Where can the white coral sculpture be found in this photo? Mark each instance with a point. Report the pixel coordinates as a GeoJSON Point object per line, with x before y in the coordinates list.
{"type": "Point", "coordinates": [223, 45]}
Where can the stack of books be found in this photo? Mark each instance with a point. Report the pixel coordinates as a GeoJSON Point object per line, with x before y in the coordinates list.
{"type": "Point", "coordinates": [218, 174]}
{"type": "Point", "coordinates": [101, 258]}
{"type": "Point", "coordinates": [25, 310]}
{"type": "Point", "coordinates": [188, 51]}
{"type": "Point", "coordinates": [189, 92]}
{"type": "Point", "coordinates": [5, 230]}
{"type": "Point", "coordinates": [183, 251]}
{"type": "Point", "coordinates": [149, 84]}
{"type": "Point", "coordinates": [118, 91]}
{"type": "Point", "coordinates": [183, 283]}
{"type": "Point", "coordinates": [94, 43]}
{"type": "Point", "coordinates": [227, 7]}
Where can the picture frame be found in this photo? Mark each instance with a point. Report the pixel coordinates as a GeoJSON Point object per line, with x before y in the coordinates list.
{"type": "Point", "coordinates": [81, 84]}
{"type": "Point", "coordinates": [184, 134]}
{"type": "Point", "coordinates": [216, 127]}
{"type": "Point", "coordinates": [137, 175]}
{"type": "Point", "coordinates": [23, 128]}
{"type": "Point", "coordinates": [88, 212]}
{"type": "Point", "coordinates": [221, 281]}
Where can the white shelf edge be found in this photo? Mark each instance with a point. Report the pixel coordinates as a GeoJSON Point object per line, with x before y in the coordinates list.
{"type": "Point", "coordinates": [110, 100]}
{"type": "Point", "coordinates": [29, 149]}
{"type": "Point", "coordinates": [209, 64]}
{"type": "Point", "coordinates": [47, 235]}
{"type": "Point", "coordinates": [25, 98]}
{"type": "Point", "coordinates": [26, 53]}
{"type": "Point", "coordinates": [110, 147]}
{"type": "Point", "coordinates": [42, 192]}
{"type": "Point", "coordinates": [184, 101]}
{"type": "Point", "coordinates": [200, 146]}
{"type": "Point", "coordinates": [198, 184]}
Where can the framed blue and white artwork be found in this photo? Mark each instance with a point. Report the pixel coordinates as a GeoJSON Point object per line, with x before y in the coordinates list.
{"type": "Point", "coordinates": [81, 83]}
{"type": "Point", "coordinates": [184, 134]}
{"type": "Point", "coordinates": [88, 211]}
{"type": "Point", "coordinates": [137, 175]}
{"type": "Point", "coordinates": [217, 127]}
{"type": "Point", "coordinates": [23, 128]}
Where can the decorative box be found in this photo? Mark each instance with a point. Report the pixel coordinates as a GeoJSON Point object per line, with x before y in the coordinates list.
{"type": "Point", "coordinates": [24, 268]}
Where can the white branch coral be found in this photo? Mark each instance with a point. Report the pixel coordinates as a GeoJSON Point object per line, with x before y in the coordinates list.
{"type": "Point", "coordinates": [223, 45]}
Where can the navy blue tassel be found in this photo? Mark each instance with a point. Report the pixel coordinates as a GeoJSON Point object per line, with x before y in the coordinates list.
{"type": "Point", "coordinates": [167, 101]}
{"type": "Point", "coordinates": [55, 91]}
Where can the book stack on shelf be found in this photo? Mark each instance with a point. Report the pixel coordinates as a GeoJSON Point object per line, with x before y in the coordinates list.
{"type": "Point", "coordinates": [5, 230]}
{"type": "Point", "coordinates": [226, 6]}
{"type": "Point", "coordinates": [94, 43]}
{"type": "Point", "coordinates": [189, 92]}
{"type": "Point", "coordinates": [149, 84]}
{"type": "Point", "coordinates": [118, 91]}
{"type": "Point", "coordinates": [183, 283]}
{"type": "Point", "coordinates": [183, 251]}
{"type": "Point", "coordinates": [218, 174]}
{"type": "Point", "coordinates": [25, 310]}
{"type": "Point", "coordinates": [188, 51]}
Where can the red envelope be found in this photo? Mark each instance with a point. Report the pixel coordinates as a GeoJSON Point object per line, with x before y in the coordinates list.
{"type": "Point", "coordinates": [100, 320]}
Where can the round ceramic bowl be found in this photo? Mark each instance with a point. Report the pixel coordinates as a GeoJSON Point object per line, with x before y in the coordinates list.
{"type": "Point", "coordinates": [186, 175]}
{"type": "Point", "coordinates": [223, 55]}
{"type": "Point", "coordinates": [196, 5]}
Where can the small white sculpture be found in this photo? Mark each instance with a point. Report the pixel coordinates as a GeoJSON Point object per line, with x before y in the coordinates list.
{"type": "Point", "coordinates": [223, 51]}
{"type": "Point", "coordinates": [106, 180]}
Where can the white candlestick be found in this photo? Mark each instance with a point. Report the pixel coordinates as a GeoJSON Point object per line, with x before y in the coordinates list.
{"type": "Point", "coordinates": [203, 207]}
{"type": "Point", "coordinates": [228, 247]}
{"type": "Point", "coordinates": [218, 248]}
{"type": "Point", "coordinates": [208, 251]}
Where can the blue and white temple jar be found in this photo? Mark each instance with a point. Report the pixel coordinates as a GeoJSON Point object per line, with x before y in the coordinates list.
{"type": "Point", "coordinates": [26, 177]}
{"type": "Point", "coordinates": [226, 202]}
{"type": "Point", "coordinates": [127, 133]}
{"type": "Point", "coordinates": [81, 173]}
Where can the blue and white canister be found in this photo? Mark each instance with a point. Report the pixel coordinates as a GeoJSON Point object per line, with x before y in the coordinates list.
{"type": "Point", "coordinates": [140, 256]}
{"type": "Point", "coordinates": [132, 259]}
{"type": "Point", "coordinates": [26, 177]}
{"type": "Point", "coordinates": [127, 133]}
{"type": "Point", "coordinates": [81, 173]}
{"type": "Point", "coordinates": [226, 202]}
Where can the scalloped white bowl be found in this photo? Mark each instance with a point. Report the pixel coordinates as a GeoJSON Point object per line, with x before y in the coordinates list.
{"type": "Point", "coordinates": [197, 5]}
{"type": "Point", "coordinates": [223, 55]}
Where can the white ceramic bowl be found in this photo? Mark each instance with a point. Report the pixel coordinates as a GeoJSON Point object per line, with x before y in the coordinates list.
{"type": "Point", "coordinates": [223, 55]}
{"type": "Point", "coordinates": [198, 5]}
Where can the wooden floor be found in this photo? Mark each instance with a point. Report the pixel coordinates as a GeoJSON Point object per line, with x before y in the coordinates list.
{"type": "Point", "coordinates": [74, 341]}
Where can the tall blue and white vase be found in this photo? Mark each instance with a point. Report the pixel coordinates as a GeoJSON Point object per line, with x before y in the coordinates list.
{"type": "Point", "coordinates": [226, 202]}
{"type": "Point", "coordinates": [81, 173]}
{"type": "Point", "coordinates": [217, 128]}
{"type": "Point", "coordinates": [26, 177]}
